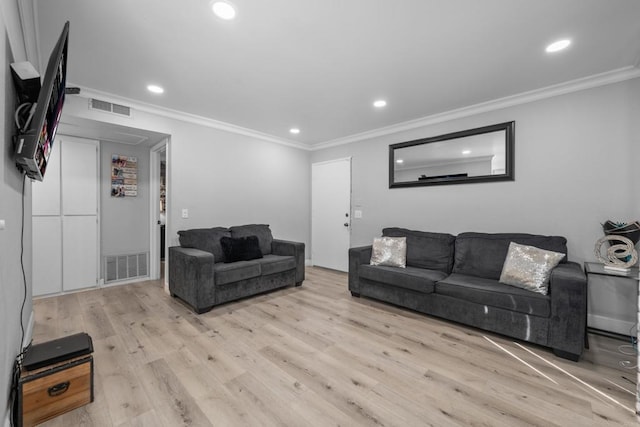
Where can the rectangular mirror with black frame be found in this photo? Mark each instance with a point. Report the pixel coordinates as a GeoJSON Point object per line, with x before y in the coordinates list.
{"type": "Point", "coordinates": [482, 154]}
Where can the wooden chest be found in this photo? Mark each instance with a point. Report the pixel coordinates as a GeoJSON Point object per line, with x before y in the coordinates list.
{"type": "Point", "coordinates": [53, 390]}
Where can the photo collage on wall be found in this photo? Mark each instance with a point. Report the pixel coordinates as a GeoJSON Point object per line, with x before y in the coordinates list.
{"type": "Point", "coordinates": [124, 176]}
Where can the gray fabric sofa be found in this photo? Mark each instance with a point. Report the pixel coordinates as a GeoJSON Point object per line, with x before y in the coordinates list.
{"type": "Point", "coordinates": [200, 276]}
{"type": "Point", "coordinates": [456, 278]}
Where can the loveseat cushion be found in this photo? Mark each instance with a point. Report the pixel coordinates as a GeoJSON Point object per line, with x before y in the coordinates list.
{"type": "Point", "coordinates": [236, 271]}
{"type": "Point", "coordinates": [205, 239]}
{"type": "Point", "coordinates": [483, 254]}
{"type": "Point", "coordinates": [272, 264]}
{"type": "Point", "coordinates": [426, 250]}
{"type": "Point", "coordinates": [416, 279]}
{"type": "Point", "coordinates": [261, 231]}
{"type": "Point", "coordinates": [494, 294]}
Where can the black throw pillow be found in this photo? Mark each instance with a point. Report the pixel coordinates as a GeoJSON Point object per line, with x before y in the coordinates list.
{"type": "Point", "coordinates": [241, 248]}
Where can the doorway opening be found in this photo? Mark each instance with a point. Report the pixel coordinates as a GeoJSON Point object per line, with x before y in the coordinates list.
{"type": "Point", "coordinates": [158, 210]}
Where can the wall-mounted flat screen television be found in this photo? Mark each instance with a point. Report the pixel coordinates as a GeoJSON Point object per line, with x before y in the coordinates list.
{"type": "Point", "coordinates": [34, 143]}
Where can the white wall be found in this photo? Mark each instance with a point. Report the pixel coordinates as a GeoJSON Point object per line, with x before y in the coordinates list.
{"type": "Point", "coordinates": [11, 281]}
{"type": "Point", "coordinates": [224, 178]}
{"type": "Point", "coordinates": [574, 169]}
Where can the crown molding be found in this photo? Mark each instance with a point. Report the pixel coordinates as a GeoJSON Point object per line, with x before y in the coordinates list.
{"type": "Point", "coordinates": [609, 77]}
{"type": "Point", "coordinates": [186, 117]}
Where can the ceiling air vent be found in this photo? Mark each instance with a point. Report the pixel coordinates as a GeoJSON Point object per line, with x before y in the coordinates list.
{"type": "Point", "coordinates": [121, 110]}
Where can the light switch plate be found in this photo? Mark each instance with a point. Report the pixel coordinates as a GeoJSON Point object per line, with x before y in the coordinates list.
{"type": "Point", "coordinates": [185, 213]}
{"type": "Point", "coordinates": [357, 213]}
{"type": "Point", "coordinates": [2, 224]}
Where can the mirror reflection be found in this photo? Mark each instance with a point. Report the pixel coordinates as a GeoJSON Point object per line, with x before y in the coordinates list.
{"type": "Point", "coordinates": [475, 155]}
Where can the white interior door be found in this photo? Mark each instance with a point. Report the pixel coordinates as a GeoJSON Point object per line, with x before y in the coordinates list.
{"type": "Point", "coordinates": [47, 229]}
{"type": "Point", "coordinates": [79, 173]}
{"type": "Point", "coordinates": [331, 214]}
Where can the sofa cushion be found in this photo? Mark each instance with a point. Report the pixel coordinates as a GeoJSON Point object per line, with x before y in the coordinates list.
{"type": "Point", "coordinates": [494, 294]}
{"type": "Point", "coordinates": [271, 264]}
{"type": "Point", "coordinates": [236, 271]}
{"type": "Point", "coordinates": [426, 250]}
{"type": "Point", "coordinates": [241, 248]}
{"type": "Point", "coordinates": [416, 279]}
{"type": "Point", "coordinates": [261, 231]}
{"type": "Point", "coordinates": [205, 239]}
{"type": "Point", "coordinates": [483, 254]}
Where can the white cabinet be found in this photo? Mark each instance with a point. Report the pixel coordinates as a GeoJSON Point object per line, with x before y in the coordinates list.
{"type": "Point", "coordinates": [65, 219]}
{"type": "Point", "coordinates": [612, 299]}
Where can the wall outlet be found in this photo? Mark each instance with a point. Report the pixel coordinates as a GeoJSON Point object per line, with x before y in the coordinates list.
{"type": "Point", "coordinates": [185, 213]}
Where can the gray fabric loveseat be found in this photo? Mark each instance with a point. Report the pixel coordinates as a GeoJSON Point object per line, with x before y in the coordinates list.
{"type": "Point", "coordinates": [202, 274]}
{"type": "Point", "coordinates": [457, 278]}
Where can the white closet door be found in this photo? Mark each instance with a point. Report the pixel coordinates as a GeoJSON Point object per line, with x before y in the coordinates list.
{"type": "Point", "coordinates": [47, 254]}
{"type": "Point", "coordinates": [79, 177]}
{"type": "Point", "coordinates": [46, 194]}
{"type": "Point", "coordinates": [65, 221]}
{"type": "Point", "coordinates": [47, 229]}
{"type": "Point", "coordinates": [80, 243]}
{"type": "Point", "coordinates": [79, 173]}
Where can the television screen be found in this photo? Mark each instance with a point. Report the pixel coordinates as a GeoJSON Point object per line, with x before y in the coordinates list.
{"type": "Point", "coordinates": [35, 142]}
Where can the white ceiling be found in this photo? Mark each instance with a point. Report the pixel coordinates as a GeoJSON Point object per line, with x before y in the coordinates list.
{"type": "Point", "coordinates": [319, 64]}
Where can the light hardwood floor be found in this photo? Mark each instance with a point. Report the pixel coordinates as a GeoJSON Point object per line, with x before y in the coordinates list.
{"type": "Point", "coordinates": [315, 356]}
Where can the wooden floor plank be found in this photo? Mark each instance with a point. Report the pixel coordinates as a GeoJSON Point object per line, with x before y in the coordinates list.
{"type": "Point", "coordinates": [314, 355]}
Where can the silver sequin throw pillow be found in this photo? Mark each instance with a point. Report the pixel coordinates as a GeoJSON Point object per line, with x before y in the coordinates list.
{"type": "Point", "coordinates": [529, 268]}
{"type": "Point", "coordinates": [390, 251]}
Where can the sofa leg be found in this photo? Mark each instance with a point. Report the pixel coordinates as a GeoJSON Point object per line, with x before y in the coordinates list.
{"type": "Point", "coordinates": [298, 284]}
{"type": "Point", "coordinates": [355, 294]}
{"type": "Point", "coordinates": [566, 355]}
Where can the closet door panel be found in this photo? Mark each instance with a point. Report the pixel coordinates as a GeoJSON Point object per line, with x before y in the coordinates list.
{"type": "Point", "coordinates": [79, 167]}
{"type": "Point", "coordinates": [46, 194]}
{"type": "Point", "coordinates": [47, 254]}
{"type": "Point", "coordinates": [80, 243]}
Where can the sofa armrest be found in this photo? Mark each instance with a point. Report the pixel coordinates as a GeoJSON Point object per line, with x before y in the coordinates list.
{"type": "Point", "coordinates": [295, 249]}
{"type": "Point", "coordinates": [568, 322]}
{"type": "Point", "coordinates": [357, 256]}
{"type": "Point", "coordinates": [191, 277]}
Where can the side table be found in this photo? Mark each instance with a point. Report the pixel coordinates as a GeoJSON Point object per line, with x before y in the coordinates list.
{"type": "Point", "coordinates": [612, 299]}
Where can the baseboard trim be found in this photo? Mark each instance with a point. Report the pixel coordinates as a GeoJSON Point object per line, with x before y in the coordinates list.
{"type": "Point", "coordinates": [604, 323]}
{"type": "Point", "coordinates": [28, 333]}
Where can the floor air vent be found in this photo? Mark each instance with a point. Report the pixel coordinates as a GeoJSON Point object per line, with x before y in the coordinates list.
{"type": "Point", "coordinates": [97, 104]}
{"type": "Point", "coordinates": [125, 267]}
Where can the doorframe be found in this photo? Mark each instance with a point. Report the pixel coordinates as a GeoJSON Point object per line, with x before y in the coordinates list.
{"type": "Point", "coordinates": [155, 155]}
{"type": "Point", "coordinates": [349, 159]}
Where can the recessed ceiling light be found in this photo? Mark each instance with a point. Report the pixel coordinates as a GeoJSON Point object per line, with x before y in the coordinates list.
{"type": "Point", "coordinates": [380, 103]}
{"type": "Point", "coordinates": [466, 152]}
{"type": "Point", "coordinates": [399, 161]}
{"type": "Point", "coordinates": [558, 46]}
{"type": "Point", "coordinates": [294, 131]}
{"type": "Point", "coordinates": [155, 89]}
{"type": "Point", "coordinates": [224, 10]}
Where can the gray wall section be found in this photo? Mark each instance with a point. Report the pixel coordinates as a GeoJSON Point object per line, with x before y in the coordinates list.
{"type": "Point", "coordinates": [224, 178]}
{"type": "Point", "coordinates": [11, 281]}
{"type": "Point", "coordinates": [124, 221]}
{"type": "Point", "coordinates": [573, 171]}
{"type": "Point", "coordinates": [227, 179]}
